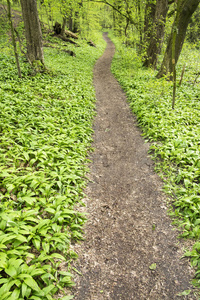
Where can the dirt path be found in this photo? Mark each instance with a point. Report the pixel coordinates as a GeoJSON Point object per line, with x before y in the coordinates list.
{"type": "Point", "coordinates": [128, 229]}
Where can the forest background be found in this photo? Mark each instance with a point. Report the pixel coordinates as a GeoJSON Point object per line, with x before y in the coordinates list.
{"type": "Point", "coordinates": [47, 108]}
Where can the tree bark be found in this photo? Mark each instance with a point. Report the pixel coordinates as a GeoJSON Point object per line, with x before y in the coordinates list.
{"type": "Point", "coordinates": [33, 31]}
{"type": "Point", "coordinates": [154, 28]}
{"type": "Point", "coordinates": [63, 25]}
{"type": "Point", "coordinates": [150, 10]}
{"type": "Point", "coordinates": [187, 8]}
{"type": "Point", "coordinates": [70, 21]}
{"type": "Point", "coordinates": [13, 39]}
{"type": "Point", "coordinates": [140, 29]}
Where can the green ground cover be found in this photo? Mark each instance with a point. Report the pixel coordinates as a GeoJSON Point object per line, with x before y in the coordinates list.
{"type": "Point", "coordinates": [45, 136]}
{"type": "Point", "coordinates": [174, 134]}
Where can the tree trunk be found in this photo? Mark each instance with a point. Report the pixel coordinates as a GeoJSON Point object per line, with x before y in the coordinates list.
{"type": "Point", "coordinates": [70, 21]}
{"type": "Point", "coordinates": [33, 32]}
{"type": "Point", "coordinates": [63, 25]}
{"type": "Point", "coordinates": [187, 8]}
{"type": "Point", "coordinates": [13, 39]}
{"type": "Point", "coordinates": [57, 28]}
{"type": "Point", "coordinates": [138, 3]}
{"type": "Point", "coordinates": [75, 23]}
{"type": "Point", "coordinates": [155, 32]}
{"type": "Point", "coordinates": [150, 10]}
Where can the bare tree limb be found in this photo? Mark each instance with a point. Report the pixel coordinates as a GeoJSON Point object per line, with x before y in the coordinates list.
{"type": "Point", "coordinates": [20, 46]}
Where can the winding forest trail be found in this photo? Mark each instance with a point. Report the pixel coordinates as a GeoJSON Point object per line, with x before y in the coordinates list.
{"type": "Point", "coordinates": [128, 228]}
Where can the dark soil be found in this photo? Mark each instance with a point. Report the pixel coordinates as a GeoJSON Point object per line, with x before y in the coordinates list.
{"type": "Point", "coordinates": [128, 228]}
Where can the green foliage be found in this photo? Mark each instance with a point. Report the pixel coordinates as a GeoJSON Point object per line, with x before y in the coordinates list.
{"type": "Point", "coordinates": [4, 27]}
{"type": "Point", "coordinates": [86, 17]}
{"type": "Point", "coordinates": [174, 134]}
{"type": "Point", "coordinates": [90, 19]}
{"type": "Point", "coordinates": [45, 136]}
{"type": "Point", "coordinates": [193, 33]}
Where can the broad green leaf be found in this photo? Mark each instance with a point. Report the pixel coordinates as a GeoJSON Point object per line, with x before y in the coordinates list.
{"type": "Point", "coordinates": [57, 255]}
{"type": "Point", "coordinates": [50, 210]}
{"type": "Point", "coordinates": [67, 298]}
{"type": "Point", "coordinates": [32, 283]}
{"type": "Point", "coordinates": [185, 293]}
{"type": "Point", "coordinates": [64, 273]}
{"type": "Point", "coordinates": [5, 295]}
{"type": "Point", "coordinates": [7, 286]}
{"type": "Point", "coordinates": [15, 295]}
{"type": "Point", "coordinates": [7, 238]}
{"type": "Point", "coordinates": [15, 262]}
{"type": "Point", "coordinates": [29, 200]}
{"type": "Point", "coordinates": [68, 211]}
{"type": "Point", "coordinates": [4, 280]}
{"type": "Point", "coordinates": [24, 275]}
{"type": "Point", "coordinates": [26, 155]}
{"type": "Point", "coordinates": [43, 223]}
{"type": "Point", "coordinates": [48, 289]}
{"type": "Point", "coordinates": [49, 297]}
{"type": "Point", "coordinates": [45, 247]}
{"type": "Point", "coordinates": [3, 259]}
{"type": "Point", "coordinates": [66, 279]}
{"type": "Point", "coordinates": [37, 272]}
{"type": "Point", "coordinates": [10, 187]}
{"type": "Point", "coordinates": [48, 278]}
{"type": "Point", "coordinates": [11, 270]}
{"type": "Point", "coordinates": [2, 246]}
{"type": "Point", "coordinates": [24, 289]}
{"type": "Point", "coordinates": [36, 243]}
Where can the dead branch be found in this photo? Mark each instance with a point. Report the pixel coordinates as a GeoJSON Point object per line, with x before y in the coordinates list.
{"type": "Point", "coordinates": [91, 44]}
{"type": "Point", "coordinates": [67, 40]}
{"type": "Point", "coordinates": [183, 71]}
{"type": "Point", "coordinates": [71, 34]}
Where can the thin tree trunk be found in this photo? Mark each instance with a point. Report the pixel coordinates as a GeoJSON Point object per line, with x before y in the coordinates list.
{"type": "Point", "coordinates": [63, 25]}
{"type": "Point", "coordinates": [139, 25]}
{"type": "Point", "coordinates": [70, 22]}
{"type": "Point", "coordinates": [13, 39]}
{"type": "Point", "coordinates": [181, 79]}
{"type": "Point", "coordinates": [178, 3]}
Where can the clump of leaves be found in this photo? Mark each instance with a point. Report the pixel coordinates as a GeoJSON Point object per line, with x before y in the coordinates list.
{"type": "Point", "coordinates": [45, 135]}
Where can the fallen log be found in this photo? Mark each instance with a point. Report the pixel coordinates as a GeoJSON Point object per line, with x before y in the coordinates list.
{"type": "Point", "coordinates": [70, 52]}
{"type": "Point", "coordinates": [67, 40]}
{"type": "Point", "coordinates": [91, 44]}
{"type": "Point", "coordinates": [68, 33]}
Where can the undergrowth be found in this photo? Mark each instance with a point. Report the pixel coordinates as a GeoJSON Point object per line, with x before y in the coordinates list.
{"type": "Point", "coordinates": [174, 134]}
{"type": "Point", "coordinates": [45, 136]}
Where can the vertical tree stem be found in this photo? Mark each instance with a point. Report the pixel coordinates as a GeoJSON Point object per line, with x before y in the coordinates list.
{"type": "Point", "coordinates": [183, 71]}
{"type": "Point", "coordinates": [178, 3]}
{"type": "Point", "coordinates": [174, 66]}
{"type": "Point", "coordinates": [13, 39]}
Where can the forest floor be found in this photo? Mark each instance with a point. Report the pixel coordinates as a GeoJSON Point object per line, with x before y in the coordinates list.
{"type": "Point", "coordinates": [131, 250]}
